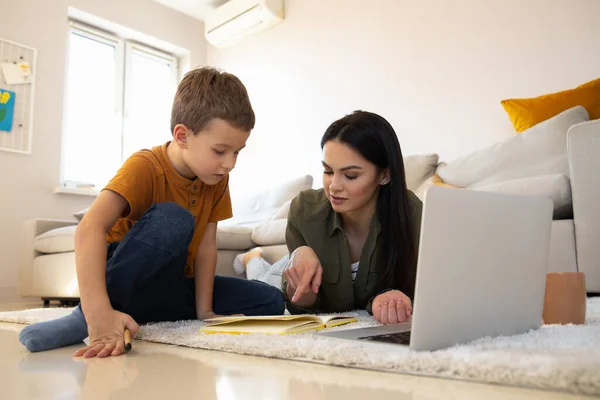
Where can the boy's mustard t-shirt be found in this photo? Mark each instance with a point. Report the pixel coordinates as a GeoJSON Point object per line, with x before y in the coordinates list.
{"type": "Point", "coordinates": [147, 177]}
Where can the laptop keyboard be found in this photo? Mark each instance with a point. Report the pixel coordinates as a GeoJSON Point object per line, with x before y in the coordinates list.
{"type": "Point", "coordinates": [396, 337]}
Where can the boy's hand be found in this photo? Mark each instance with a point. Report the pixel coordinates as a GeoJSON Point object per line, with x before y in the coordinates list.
{"type": "Point", "coordinates": [392, 307]}
{"type": "Point", "coordinates": [106, 330]}
{"type": "Point", "coordinates": [210, 314]}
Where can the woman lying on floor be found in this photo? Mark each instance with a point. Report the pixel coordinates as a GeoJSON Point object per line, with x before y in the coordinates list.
{"type": "Point", "coordinates": [354, 243]}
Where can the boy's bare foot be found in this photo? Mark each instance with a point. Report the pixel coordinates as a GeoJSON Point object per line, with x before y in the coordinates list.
{"type": "Point", "coordinates": [241, 260]}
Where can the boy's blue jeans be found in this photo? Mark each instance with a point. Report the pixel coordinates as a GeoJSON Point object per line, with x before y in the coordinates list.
{"type": "Point", "coordinates": [144, 274]}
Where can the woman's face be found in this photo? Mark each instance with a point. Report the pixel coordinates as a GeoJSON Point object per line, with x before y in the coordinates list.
{"type": "Point", "coordinates": [350, 181]}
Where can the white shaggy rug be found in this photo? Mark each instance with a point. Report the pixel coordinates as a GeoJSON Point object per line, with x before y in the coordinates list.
{"type": "Point", "coordinates": [555, 357]}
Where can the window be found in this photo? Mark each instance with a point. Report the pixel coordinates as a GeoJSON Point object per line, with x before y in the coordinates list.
{"type": "Point", "coordinates": [119, 96]}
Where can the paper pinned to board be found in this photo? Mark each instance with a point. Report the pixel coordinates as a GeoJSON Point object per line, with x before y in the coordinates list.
{"type": "Point", "coordinates": [16, 73]}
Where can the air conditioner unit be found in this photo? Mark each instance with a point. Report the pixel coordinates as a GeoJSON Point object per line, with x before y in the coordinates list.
{"type": "Point", "coordinates": [237, 19]}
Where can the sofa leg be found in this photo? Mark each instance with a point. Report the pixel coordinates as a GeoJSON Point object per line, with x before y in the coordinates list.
{"type": "Point", "coordinates": [63, 301]}
{"type": "Point", "coordinates": [69, 302]}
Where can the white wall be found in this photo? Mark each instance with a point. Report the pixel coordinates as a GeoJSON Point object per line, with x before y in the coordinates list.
{"type": "Point", "coordinates": [27, 181]}
{"type": "Point", "coordinates": [436, 69]}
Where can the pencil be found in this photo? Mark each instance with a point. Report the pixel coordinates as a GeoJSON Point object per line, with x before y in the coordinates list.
{"type": "Point", "coordinates": [127, 340]}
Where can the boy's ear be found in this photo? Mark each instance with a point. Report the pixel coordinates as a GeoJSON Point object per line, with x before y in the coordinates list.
{"type": "Point", "coordinates": [180, 135]}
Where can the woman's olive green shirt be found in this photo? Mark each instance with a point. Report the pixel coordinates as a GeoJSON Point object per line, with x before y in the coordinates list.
{"type": "Point", "coordinates": [312, 222]}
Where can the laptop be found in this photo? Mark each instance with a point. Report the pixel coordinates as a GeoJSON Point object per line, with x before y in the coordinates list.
{"type": "Point", "coordinates": [481, 270]}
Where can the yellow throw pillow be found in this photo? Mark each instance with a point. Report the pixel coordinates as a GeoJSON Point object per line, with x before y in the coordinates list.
{"type": "Point", "coordinates": [437, 181]}
{"type": "Point", "coordinates": [593, 83]}
{"type": "Point", "coordinates": [525, 113]}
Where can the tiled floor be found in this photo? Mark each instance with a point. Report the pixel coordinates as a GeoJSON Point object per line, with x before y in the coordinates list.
{"type": "Point", "coordinates": [156, 371]}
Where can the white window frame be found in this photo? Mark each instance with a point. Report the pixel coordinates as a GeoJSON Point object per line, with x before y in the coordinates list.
{"type": "Point", "coordinates": [124, 50]}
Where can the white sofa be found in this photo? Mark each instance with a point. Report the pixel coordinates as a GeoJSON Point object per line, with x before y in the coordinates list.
{"type": "Point", "coordinates": [47, 267]}
{"type": "Point", "coordinates": [47, 261]}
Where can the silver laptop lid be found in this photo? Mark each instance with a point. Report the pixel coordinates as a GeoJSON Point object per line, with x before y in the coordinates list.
{"type": "Point", "coordinates": [482, 266]}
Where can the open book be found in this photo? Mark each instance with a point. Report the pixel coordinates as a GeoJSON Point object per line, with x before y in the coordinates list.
{"type": "Point", "coordinates": [273, 324]}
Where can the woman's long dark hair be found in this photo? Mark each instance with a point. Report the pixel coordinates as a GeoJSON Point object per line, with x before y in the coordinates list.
{"type": "Point", "coordinates": [375, 139]}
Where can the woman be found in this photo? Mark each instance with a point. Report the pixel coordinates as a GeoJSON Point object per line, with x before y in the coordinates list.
{"type": "Point", "coordinates": [353, 243]}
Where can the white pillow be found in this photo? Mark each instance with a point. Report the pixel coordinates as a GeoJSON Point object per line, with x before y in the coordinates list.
{"type": "Point", "coordinates": [59, 240]}
{"type": "Point", "coordinates": [418, 168]}
{"type": "Point", "coordinates": [283, 211]}
{"type": "Point", "coordinates": [285, 191]}
{"type": "Point", "coordinates": [270, 233]}
{"type": "Point", "coordinates": [234, 237]}
{"type": "Point", "coordinates": [254, 210]}
{"type": "Point", "coordinates": [555, 187]}
{"type": "Point", "coordinates": [540, 150]}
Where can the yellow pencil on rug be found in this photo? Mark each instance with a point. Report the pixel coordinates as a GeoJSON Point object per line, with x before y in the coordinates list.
{"type": "Point", "coordinates": [127, 340]}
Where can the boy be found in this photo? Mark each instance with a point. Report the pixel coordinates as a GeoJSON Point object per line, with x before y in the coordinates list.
{"type": "Point", "coordinates": [159, 217]}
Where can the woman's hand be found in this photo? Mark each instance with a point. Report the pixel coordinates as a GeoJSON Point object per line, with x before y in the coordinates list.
{"type": "Point", "coordinates": [303, 274]}
{"type": "Point", "coordinates": [392, 307]}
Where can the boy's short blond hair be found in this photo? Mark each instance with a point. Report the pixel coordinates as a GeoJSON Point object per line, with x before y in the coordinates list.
{"type": "Point", "coordinates": [207, 93]}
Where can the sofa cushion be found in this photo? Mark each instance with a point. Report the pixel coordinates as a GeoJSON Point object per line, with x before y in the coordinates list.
{"type": "Point", "coordinates": [59, 240]}
{"type": "Point", "coordinates": [418, 168]}
{"type": "Point", "coordinates": [270, 233]}
{"type": "Point", "coordinates": [54, 275]}
{"type": "Point", "coordinates": [555, 187]}
{"type": "Point", "coordinates": [541, 150]}
{"type": "Point", "coordinates": [234, 237]}
{"type": "Point", "coordinates": [563, 256]}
